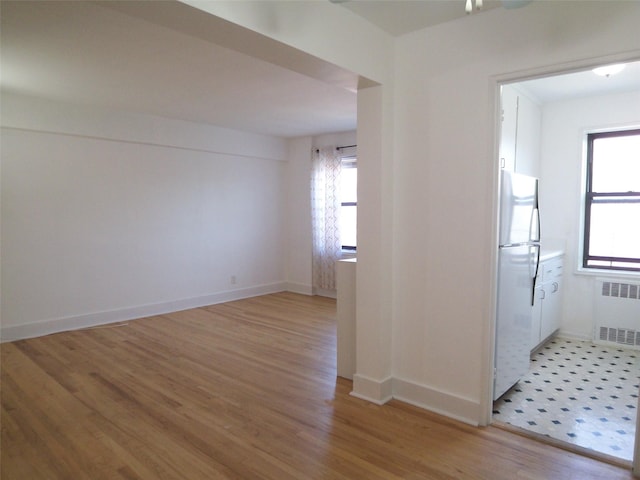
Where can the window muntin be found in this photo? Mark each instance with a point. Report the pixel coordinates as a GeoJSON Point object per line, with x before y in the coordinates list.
{"type": "Point", "coordinates": [612, 201]}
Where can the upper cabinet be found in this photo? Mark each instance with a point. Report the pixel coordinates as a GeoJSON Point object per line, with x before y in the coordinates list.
{"type": "Point", "coordinates": [520, 132]}
{"type": "Point", "coordinates": [508, 132]}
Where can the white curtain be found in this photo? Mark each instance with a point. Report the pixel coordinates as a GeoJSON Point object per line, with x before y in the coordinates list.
{"type": "Point", "coordinates": [325, 216]}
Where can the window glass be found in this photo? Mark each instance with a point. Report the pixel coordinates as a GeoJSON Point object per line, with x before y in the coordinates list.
{"type": "Point", "coordinates": [349, 200]}
{"type": "Point", "coordinates": [616, 166]}
{"type": "Point", "coordinates": [615, 229]}
{"type": "Point", "coordinates": [348, 222]}
{"type": "Point", "coordinates": [349, 184]}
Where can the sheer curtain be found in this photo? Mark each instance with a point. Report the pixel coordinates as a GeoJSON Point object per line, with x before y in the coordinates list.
{"type": "Point", "coordinates": [325, 216]}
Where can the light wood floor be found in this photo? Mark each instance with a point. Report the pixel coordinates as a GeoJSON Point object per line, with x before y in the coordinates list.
{"type": "Point", "coordinates": [243, 390]}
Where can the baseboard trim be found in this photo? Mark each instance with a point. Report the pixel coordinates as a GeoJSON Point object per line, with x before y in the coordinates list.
{"type": "Point", "coordinates": [300, 288]}
{"type": "Point", "coordinates": [450, 405]}
{"type": "Point", "coordinates": [321, 292]}
{"type": "Point", "coordinates": [581, 337]}
{"type": "Point", "coordinates": [372, 390]}
{"type": "Point", "coordinates": [46, 327]}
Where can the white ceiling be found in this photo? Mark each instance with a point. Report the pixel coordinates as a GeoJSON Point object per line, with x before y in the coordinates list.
{"type": "Point", "coordinates": [112, 56]}
{"type": "Point", "coordinates": [583, 84]}
{"type": "Point", "coordinates": [398, 17]}
{"type": "Point", "coordinates": [168, 59]}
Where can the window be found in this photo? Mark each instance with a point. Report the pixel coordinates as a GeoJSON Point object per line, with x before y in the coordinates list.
{"type": "Point", "coordinates": [612, 201]}
{"type": "Point", "coordinates": [349, 202]}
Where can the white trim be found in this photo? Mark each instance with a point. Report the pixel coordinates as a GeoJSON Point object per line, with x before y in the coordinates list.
{"type": "Point", "coordinates": [47, 327]}
{"type": "Point", "coordinates": [579, 337]}
{"type": "Point", "coordinates": [321, 292]}
{"type": "Point", "coordinates": [105, 138]}
{"type": "Point", "coordinates": [444, 403]}
{"type": "Point", "coordinates": [610, 275]}
{"type": "Point", "coordinates": [300, 288]}
{"type": "Point", "coordinates": [372, 390]}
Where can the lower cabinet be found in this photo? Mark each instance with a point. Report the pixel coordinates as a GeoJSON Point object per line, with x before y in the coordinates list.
{"type": "Point", "coordinates": [547, 303]}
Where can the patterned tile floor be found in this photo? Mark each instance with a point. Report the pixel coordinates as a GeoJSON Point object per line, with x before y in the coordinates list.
{"type": "Point", "coordinates": [579, 393]}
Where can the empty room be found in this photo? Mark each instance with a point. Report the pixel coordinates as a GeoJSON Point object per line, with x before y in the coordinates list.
{"type": "Point", "coordinates": [206, 207]}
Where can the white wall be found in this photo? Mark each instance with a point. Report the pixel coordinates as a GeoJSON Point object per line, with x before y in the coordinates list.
{"type": "Point", "coordinates": [108, 216]}
{"type": "Point", "coordinates": [299, 244]}
{"type": "Point", "coordinates": [446, 179]}
{"type": "Point", "coordinates": [374, 281]}
{"type": "Point", "coordinates": [564, 127]}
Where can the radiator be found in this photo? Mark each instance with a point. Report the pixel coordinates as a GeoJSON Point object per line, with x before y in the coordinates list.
{"type": "Point", "coordinates": [617, 313]}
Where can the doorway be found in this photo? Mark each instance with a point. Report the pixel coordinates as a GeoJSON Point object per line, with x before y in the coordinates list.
{"type": "Point", "coordinates": [554, 114]}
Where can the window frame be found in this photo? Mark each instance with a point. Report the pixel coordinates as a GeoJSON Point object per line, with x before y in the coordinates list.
{"type": "Point", "coordinates": [591, 197]}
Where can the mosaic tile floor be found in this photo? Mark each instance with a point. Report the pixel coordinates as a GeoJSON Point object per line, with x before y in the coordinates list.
{"type": "Point", "coordinates": [579, 393]}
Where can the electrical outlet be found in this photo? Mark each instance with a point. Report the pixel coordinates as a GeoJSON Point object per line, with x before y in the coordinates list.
{"type": "Point", "coordinates": [233, 280]}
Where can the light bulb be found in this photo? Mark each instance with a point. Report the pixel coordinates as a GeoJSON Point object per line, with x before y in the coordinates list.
{"type": "Point", "coordinates": [609, 70]}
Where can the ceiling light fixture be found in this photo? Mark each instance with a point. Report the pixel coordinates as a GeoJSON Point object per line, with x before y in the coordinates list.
{"type": "Point", "coordinates": [609, 70]}
{"type": "Point", "coordinates": [469, 5]}
{"type": "Point", "coordinates": [509, 4]}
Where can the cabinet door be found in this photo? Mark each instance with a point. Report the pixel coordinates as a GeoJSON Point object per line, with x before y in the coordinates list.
{"type": "Point", "coordinates": [528, 137]}
{"type": "Point", "coordinates": [551, 308]}
{"type": "Point", "coordinates": [509, 107]}
{"type": "Point", "coordinates": [536, 321]}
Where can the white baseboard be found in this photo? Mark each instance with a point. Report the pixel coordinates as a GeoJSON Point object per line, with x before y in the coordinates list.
{"type": "Point", "coordinates": [47, 327]}
{"type": "Point", "coordinates": [575, 336]}
{"type": "Point", "coordinates": [454, 406]}
{"type": "Point", "coordinates": [372, 390]}
{"type": "Point", "coordinates": [325, 293]}
{"type": "Point", "coordinates": [381, 391]}
{"type": "Point", "coordinates": [300, 288]}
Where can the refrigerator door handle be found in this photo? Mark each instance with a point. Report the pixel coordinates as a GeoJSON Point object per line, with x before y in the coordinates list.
{"type": "Point", "coordinates": [534, 225]}
{"type": "Point", "coordinates": [535, 274]}
{"type": "Point", "coordinates": [536, 211]}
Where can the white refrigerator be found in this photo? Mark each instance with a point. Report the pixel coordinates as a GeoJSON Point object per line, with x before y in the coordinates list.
{"type": "Point", "coordinates": [518, 258]}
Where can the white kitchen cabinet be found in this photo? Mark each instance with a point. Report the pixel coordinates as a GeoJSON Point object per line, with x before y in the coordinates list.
{"type": "Point", "coordinates": [536, 317]}
{"type": "Point", "coordinates": [528, 137]}
{"type": "Point", "coordinates": [509, 127]}
{"type": "Point", "coordinates": [547, 305]}
{"type": "Point", "coordinates": [520, 131]}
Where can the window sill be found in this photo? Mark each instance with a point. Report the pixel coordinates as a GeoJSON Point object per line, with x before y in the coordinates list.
{"type": "Point", "coordinates": [597, 272]}
{"type": "Point", "coordinates": [348, 254]}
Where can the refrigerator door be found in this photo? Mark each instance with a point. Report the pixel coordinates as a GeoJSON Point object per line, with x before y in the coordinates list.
{"type": "Point", "coordinates": [514, 315]}
{"type": "Point", "coordinates": [519, 219]}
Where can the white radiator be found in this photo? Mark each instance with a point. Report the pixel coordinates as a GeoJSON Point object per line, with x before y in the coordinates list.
{"type": "Point", "coordinates": [617, 313]}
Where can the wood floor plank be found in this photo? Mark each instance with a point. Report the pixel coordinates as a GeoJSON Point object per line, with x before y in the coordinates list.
{"type": "Point", "coordinates": [242, 390]}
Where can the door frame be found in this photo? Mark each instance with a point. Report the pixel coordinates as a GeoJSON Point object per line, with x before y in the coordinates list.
{"type": "Point", "coordinates": [496, 81]}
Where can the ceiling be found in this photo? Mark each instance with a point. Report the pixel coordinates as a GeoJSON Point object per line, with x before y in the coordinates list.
{"type": "Point", "coordinates": [157, 58]}
{"type": "Point", "coordinates": [398, 17]}
{"type": "Point", "coordinates": [583, 84]}
{"type": "Point", "coordinates": [171, 60]}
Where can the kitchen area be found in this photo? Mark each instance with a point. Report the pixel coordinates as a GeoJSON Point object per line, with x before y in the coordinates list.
{"type": "Point", "coordinates": [566, 365]}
